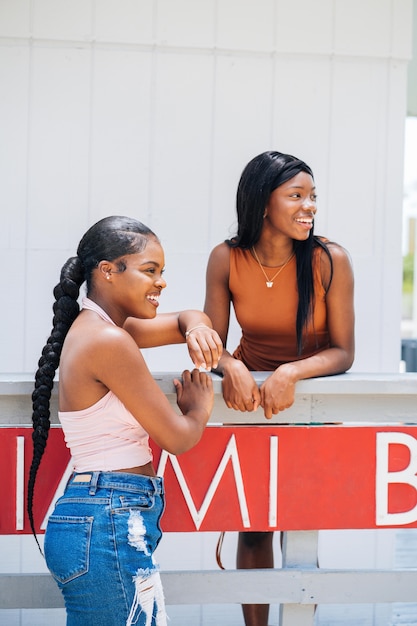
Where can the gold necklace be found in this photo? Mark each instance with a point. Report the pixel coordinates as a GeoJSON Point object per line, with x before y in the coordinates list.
{"type": "Point", "coordinates": [270, 281]}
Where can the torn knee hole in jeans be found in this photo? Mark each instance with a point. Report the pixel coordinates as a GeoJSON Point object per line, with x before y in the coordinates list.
{"type": "Point", "coordinates": [148, 600]}
{"type": "Point", "coordinates": [149, 596]}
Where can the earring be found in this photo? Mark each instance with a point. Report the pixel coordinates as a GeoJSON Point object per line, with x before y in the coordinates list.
{"type": "Point", "coordinates": [108, 275]}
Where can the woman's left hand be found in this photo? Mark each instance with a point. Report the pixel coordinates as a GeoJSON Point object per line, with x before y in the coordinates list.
{"type": "Point", "coordinates": [277, 392]}
{"type": "Point", "coordinates": [204, 346]}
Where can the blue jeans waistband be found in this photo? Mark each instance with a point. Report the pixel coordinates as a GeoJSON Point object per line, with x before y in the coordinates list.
{"type": "Point", "coordinates": [117, 480]}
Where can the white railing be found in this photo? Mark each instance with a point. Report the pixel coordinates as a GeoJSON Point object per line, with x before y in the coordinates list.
{"type": "Point", "coordinates": [360, 399]}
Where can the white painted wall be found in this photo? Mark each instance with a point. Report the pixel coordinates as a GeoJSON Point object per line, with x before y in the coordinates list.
{"type": "Point", "coordinates": [152, 108]}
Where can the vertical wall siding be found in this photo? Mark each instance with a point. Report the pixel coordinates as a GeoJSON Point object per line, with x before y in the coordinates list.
{"type": "Point", "coordinates": [153, 107]}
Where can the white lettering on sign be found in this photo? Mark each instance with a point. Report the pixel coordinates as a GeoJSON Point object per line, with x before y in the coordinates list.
{"type": "Point", "coordinates": [199, 515]}
{"type": "Point", "coordinates": [20, 482]}
{"type": "Point", "coordinates": [273, 481]}
{"type": "Point", "coordinates": [384, 477]}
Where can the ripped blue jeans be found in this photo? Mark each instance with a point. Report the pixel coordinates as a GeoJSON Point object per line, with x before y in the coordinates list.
{"type": "Point", "coordinates": [99, 546]}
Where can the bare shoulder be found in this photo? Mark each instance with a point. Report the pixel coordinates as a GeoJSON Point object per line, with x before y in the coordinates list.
{"type": "Point", "coordinates": [90, 335]}
{"type": "Point", "coordinates": [220, 254]}
{"type": "Point", "coordinates": [115, 358]}
{"type": "Point", "coordinates": [340, 267]}
{"type": "Point", "coordinates": [219, 261]}
{"type": "Point", "coordinates": [116, 343]}
{"type": "Point", "coordinates": [338, 253]}
{"type": "Point", "coordinates": [95, 355]}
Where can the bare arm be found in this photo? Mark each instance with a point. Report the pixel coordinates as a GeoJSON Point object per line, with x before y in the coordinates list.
{"type": "Point", "coordinates": [192, 326]}
{"type": "Point", "coordinates": [130, 380]}
{"type": "Point", "coordinates": [278, 390]}
{"type": "Point", "coordinates": [240, 391]}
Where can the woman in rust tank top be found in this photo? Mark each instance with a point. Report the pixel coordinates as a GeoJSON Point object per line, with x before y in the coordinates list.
{"type": "Point", "coordinates": [292, 294]}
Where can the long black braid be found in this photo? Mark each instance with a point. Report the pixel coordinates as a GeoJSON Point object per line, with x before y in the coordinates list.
{"type": "Point", "coordinates": [66, 309]}
{"type": "Point", "coordinates": [109, 239]}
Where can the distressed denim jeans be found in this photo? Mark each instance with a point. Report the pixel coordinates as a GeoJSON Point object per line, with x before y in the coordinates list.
{"type": "Point", "coordinates": [99, 546]}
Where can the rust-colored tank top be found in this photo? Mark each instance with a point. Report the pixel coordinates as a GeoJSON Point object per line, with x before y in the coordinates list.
{"type": "Point", "coordinates": [267, 316]}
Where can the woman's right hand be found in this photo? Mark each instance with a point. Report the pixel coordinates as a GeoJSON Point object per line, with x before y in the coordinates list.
{"type": "Point", "coordinates": [240, 391]}
{"type": "Point", "coordinates": [195, 394]}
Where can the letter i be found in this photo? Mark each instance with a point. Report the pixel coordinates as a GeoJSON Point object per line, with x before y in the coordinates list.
{"type": "Point", "coordinates": [20, 481]}
{"type": "Point", "coordinates": [273, 482]}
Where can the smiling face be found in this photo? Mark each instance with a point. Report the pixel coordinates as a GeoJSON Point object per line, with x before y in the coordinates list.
{"type": "Point", "coordinates": [292, 206]}
{"type": "Point", "coordinates": [137, 287]}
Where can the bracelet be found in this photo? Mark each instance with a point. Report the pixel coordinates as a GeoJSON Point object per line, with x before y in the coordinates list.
{"type": "Point", "coordinates": [187, 332]}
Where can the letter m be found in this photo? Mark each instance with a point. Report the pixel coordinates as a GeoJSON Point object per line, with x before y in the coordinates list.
{"type": "Point", "coordinates": [198, 516]}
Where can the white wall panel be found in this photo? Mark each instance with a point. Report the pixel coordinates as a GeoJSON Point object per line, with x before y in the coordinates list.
{"type": "Point", "coordinates": [302, 111]}
{"type": "Point", "coordinates": [354, 218]}
{"type": "Point", "coordinates": [355, 152]}
{"type": "Point", "coordinates": [21, 549]}
{"type": "Point", "coordinates": [11, 547]}
{"type": "Point", "coordinates": [58, 146]}
{"type": "Point", "coordinates": [186, 22]}
{"type": "Point", "coordinates": [368, 287]}
{"type": "Point", "coordinates": [185, 276]}
{"type": "Point", "coordinates": [14, 311]}
{"type": "Point", "coordinates": [120, 127]}
{"type": "Point", "coordinates": [403, 28]}
{"type": "Point", "coordinates": [242, 129]}
{"type": "Point", "coordinates": [15, 18]}
{"type": "Point", "coordinates": [181, 150]}
{"type": "Point", "coordinates": [246, 25]}
{"type": "Point", "coordinates": [14, 112]}
{"type": "Point", "coordinates": [124, 21]}
{"type": "Point", "coordinates": [369, 545]}
{"type": "Point", "coordinates": [63, 20]}
{"type": "Point", "coordinates": [303, 26]}
{"type": "Point", "coordinates": [391, 269]}
{"type": "Point", "coordinates": [357, 30]}
{"type": "Point", "coordinates": [393, 163]}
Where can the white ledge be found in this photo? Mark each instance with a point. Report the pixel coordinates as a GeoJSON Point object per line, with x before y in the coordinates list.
{"type": "Point", "coordinates": [349, 398]}
{"type": "Point", "coordinates": [351, 383]}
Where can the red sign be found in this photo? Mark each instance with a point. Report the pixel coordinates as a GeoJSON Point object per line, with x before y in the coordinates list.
{"type": "Point", "coordinates": [249, 477]}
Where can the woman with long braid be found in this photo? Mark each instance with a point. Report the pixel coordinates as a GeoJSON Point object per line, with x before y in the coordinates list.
{"type": "Point", "coordinates": [292, 293]}
{"type": "Point", "coordinates": [100, 539]}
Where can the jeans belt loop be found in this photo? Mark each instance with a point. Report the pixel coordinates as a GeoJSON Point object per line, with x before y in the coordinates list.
{"type": "Point", "coordinates": [156, 485]}
{"type": "Point", "coordinates": [93, 483]}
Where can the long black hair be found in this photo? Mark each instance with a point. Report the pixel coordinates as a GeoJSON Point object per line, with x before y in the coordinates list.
{"type": "Point", "coordinates": [109, 239]}
{"type": "Point", "coordinates": [260, 177]}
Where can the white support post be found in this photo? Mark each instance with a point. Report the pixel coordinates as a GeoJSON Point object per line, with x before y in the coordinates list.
{"type": "Point", "coordinates": [299, 550]}
{"type": "Point", "coordinates": [296, 614]}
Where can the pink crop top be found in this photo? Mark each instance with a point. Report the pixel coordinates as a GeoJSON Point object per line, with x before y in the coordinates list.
{"type": "Point", "coordinates": [104, 436]}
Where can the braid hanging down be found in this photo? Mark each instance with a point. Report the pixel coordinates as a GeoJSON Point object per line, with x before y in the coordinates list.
{"type": "Point", "coordinates": [66, 309]}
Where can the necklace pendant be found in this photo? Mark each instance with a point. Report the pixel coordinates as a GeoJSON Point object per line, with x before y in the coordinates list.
{"type": "Point", "coordinates": [269, 283]}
